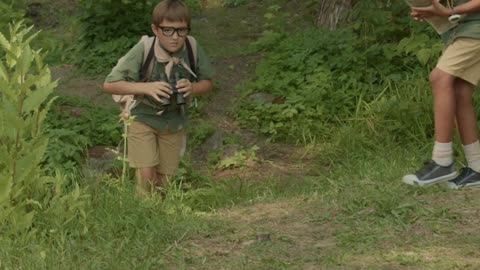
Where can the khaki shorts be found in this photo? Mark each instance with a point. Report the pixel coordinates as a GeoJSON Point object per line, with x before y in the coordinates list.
{"type": "Point", "coordinates": [148, 147]}
{"type": "Point", "coordinates": [462, 59]}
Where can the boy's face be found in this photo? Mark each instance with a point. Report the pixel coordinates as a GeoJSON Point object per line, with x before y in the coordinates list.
{"type": "Point", "coordinates": [171, 35]}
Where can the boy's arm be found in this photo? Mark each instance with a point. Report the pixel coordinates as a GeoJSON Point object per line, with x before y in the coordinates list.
{"type": "Point", "coordinates": [153, 89]}
{"type": "Point", "coordinates": [202, 87]}
{"type": "Point", "coordinates": [437, 9]}
{"type": "Point", "coordinates": [468, 7]}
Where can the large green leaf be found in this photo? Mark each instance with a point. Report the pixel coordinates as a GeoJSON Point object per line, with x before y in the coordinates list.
{"type": "Point", "coordinates": [4, 42]}
{"type": "Point", "coordinates": [13, 121]}
{"type": "Point", "coordinates": [3, 73]}
{"type": "Point", "coordinates": [28, 161]}
{"type": "Point", "coordinates": [24, 61]}
{"type": "Point", "coordinates": [42, 114]}
{"type": "Point", "coordinates": [36, 98]}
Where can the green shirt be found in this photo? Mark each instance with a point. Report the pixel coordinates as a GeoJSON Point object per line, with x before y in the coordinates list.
{"type": "Point", "coordinates": [468, 27]}
{"type": "Point", "coordinates": [173, 118]}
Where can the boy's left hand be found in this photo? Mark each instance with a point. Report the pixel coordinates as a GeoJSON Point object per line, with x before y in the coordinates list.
{"type": "Point", "coordinates": [184, 87]}
{"type": "Point", "coordinates": [435, 9]}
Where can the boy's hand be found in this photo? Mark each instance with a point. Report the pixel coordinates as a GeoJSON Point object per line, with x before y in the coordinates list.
{"type": "Point", "coordinates": [157, 90]}
{"type": "Point", "coordinates": [184, 87]}
{"type": "Point", "coordinates": [435, 9]}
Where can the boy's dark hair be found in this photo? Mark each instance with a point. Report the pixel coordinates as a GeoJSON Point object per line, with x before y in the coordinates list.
{"type": "Point", "coordinates": [172, 10]}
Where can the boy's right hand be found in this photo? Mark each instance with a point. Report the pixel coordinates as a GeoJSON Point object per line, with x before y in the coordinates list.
{"type": "Point", "coordinates": [157, 90]}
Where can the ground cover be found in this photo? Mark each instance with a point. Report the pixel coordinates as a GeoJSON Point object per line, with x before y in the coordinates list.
{"type": "Point", "coordinates": [315, 205]}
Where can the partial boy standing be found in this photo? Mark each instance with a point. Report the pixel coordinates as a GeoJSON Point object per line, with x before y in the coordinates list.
{"type": "Point", "coordinates": [156, 138]}
{"type": "Point", "coordinates": [453, 81]}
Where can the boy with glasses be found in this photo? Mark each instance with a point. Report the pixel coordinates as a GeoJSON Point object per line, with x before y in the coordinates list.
{"type": "Point", "coordinates": [453, 81]}
{"type": "Point", "coordinates": [156, 138]}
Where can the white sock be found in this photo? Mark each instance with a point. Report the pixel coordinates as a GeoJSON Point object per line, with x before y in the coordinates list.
{"type": "Point", "coordinates": [443, 153]}
{"type": "Point", "coordinates": [472, 154]}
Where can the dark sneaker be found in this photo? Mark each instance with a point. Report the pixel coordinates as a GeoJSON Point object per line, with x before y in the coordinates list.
{"type": "Point", "coordinates": [430, 173]}
{"type": "Point", "coordinates": [467, 178]}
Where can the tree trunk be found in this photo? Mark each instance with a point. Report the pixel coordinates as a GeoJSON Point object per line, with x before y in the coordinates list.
{"type": "Point", "coordinates": [332, 13]}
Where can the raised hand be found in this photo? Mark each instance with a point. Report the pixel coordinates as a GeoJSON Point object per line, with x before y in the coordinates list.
{"type": "Point", "coordinates": [157, 90]}
{"type": "Point", "coordinates": [184, 87]}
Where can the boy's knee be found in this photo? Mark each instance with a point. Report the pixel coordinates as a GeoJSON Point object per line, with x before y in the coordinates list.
{"type": "Point", "coordinates": [148, 174]}
{"type": "Point", "coordinates": [439, 77]}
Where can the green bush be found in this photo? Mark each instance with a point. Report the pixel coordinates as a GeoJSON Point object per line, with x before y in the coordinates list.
{"type": "Point", "coordinates": [110, 28]}
{"type": "Point", "coordinates": [321, 77]}
{"type": "Point", "coordinates": [8, 14]}
{"type": "Point", "coordinates": [28, 195]}
{"type": "Point", "coordinates": [74, 124]}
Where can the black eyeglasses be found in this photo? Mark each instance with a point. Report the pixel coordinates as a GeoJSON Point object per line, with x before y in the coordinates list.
{"type": "Point", "coordinates": [169, 31]}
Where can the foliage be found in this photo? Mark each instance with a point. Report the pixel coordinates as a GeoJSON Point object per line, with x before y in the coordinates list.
{"type": "Point", "coordinates": [75, 124]}
{"type": "Point", "coordinates": [27, 194]}
{"type": "Point", "coordinates": [322, 76]}
{"type": "Point", "coordinates": [8, 14]}
{"type": "Point", "coordinates": [239, 158]}
{"type": "Point", "coordinates": [107, 33]}
{"type": "Point", "coordinates": [198, 132]}
{"type": "Point", "coordinates": [350, 211]}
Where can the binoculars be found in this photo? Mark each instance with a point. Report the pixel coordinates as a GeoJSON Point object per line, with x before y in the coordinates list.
{"type": "Point", "coordinates": [176, 97]}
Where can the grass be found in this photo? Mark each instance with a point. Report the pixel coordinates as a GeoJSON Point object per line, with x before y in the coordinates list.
{"type": "Point", "coordinates": [355, 216]}
{"type": "Point", "coordinates": [348, 211]}
{"type": "Point", "coordinates": [358, 216]}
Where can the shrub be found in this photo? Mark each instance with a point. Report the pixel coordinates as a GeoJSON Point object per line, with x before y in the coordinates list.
{"type": "Point", "coordinates": [319, 78]}
{"type": "Point", "coordinates": [110, 28]}
{"type": "Point", "coordinates": [27, 193]}
{"type": "Point", "coordinates": [9, 14]}
{"type": "Point", "coordinates": [74, 124]}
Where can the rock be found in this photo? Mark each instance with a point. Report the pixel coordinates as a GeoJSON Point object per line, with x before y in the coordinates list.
{"type": "Point", "coordinates": [100, 159]}
{"type": "Point", "coordinates": [214, 142]}
{"type": "Point", "coordinates": [229, 150]}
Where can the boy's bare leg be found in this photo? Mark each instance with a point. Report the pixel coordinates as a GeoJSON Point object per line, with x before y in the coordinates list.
{"type": "Point", "coordinates": [443, 104]}
{"type": "Point", "coordinates": [465, 115]}
{"type": "Point", "coordinates": [146, 178]}
{"type": "Point", "coordinates": [440, 168]}
{"type": "Point", "coordinates": [467, 123]}
{"type": "Point", "coordinates": [467, 127]}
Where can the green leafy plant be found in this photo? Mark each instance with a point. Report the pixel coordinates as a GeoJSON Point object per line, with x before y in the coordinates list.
{"type": "Point", "coordinates": [73, 125]}
{"type": "Point", "coordinates": [25, 188]}
{"type": "Point", "coordinates": [319, 77]}
{"type": "Point", "coordinates": [239, 158]}
{"type": "Point", "coordinates": [107, 34]}
{"type": "Point", "coordinates": [9, 13]}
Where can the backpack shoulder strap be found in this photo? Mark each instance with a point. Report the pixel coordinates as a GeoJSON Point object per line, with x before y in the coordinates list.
{"type": "Point", "coordinates": [127, 101]}
{"type": "Point", "coordinates": [191, 44]}
{"type": "Point", "coordinates": [149, 52]}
